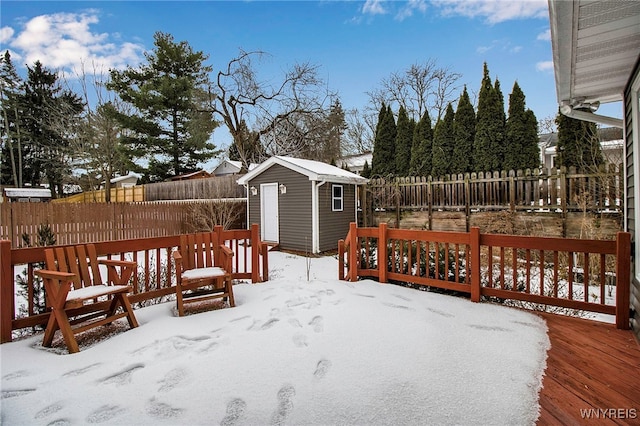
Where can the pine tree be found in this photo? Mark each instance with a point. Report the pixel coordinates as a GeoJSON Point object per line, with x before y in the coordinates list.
{"type": "Point", "coordinates": [384, 144]}
{"type": "Point", "coordinates": [443, 144]}
{"type": "Point", "coordinates": [489, 127]}
{"type": "Point", "coordinates": [404, 139]}
{"type": "Point", "coordinates": [421, 148]}
{"type": "Point", "coordinates": [171, 122]}
{"type": "Point", "coordinates": [578, 144]}
{"type": "Point", "coordinates": [521, 131]}
{"type": "Point", "coordinates": [500, 123]}
{"type": "Point", "coordinates": [11, 90]}
{"type": "Point", "coordinates": [464, 129]}
{"type": "Point", "coordinates": [366, 171]}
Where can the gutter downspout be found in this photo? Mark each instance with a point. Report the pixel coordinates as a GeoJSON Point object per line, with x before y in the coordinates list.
{"type": "Point", "coordinates": [315, 217]}
{"type": "Point", "coordinates": [583, 115]}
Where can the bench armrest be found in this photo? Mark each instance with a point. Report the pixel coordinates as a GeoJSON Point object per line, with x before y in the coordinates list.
{"type": "Point", "coordinates": [56, 284]}
{"type": "Point", "coordinates": [226, 257]}
{"type": "Point", "coordinates": [116, 277]}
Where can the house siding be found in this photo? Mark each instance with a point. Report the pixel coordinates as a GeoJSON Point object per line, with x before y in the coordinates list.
{"type": "Point", "coordinates": [631, 201]}
{"type": "Point", "coordinates": [294, 207]}
{"type": "Point", "coordinates": [335, 225]}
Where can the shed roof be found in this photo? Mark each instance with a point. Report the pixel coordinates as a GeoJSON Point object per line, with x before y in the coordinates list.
{"type": "Point", "coordinates": [314, 170]}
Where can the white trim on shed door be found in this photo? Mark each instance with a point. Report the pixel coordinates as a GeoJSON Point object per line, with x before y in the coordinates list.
{"type": "Point", "coordinates": [269, 215]}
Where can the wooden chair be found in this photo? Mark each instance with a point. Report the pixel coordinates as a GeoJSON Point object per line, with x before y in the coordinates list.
{"type": "Point", "coordinates": [77, 296]}
{"type": "Point", "coordinates": [203, 270]}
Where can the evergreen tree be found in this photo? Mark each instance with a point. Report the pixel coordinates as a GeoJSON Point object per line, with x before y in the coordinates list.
{"type": "Point", "coordinates": [500, 123]}
{"type": "Point", "coordinates": [384, 144]}
{"type": "Point", "coordinates": [578, 144]}
{"type": "Point", "coordinates": [51, 117]}
{"type": "Point", "coordinates": [366, 171]}
{"type": "Point", "coordinates": [335, 128]}
{"type": "Point", "coordinates": [171, 123]}
{"type": "Point", "coordinates": [443, 144]}
{"type": "Point", "coordinates": [11, 91]}
{"type": "Point", "coordinates": [464, 129]}
{"type": "Point", "coordinates": [521, 142]}
{"type": "Point", "coordinates": [489, 127]}
{"type": "Point", "coordinates": [421, 154]}
{"type": "Point", "coordinates": [404, 139]}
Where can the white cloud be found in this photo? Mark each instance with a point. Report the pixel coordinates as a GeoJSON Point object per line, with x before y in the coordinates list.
{"type": "Point", "coordinates": [494, 11]}
{"type": "Point", "coordinates": [5, 34]}
{"type": "Point", "coordinates": [544, 66]}
{"type": "Point", "coordinates": [502, 45]}
{"type": "Point", "coordinates": [410, 7]}
{"type": "Point", "coordinates": [545, 36]}
{"type": "Point", "coordinates": [66, 41]}
{"type": "Point", "coordinates": [374, 7]}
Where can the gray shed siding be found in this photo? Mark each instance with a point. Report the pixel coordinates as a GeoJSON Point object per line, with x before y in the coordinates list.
{"type": "Point", "coordinates": [294, 207]}
{"type": "Point", "coordinates": [335, 225]}
{"type": "Point", "coordinates": [631, 201]}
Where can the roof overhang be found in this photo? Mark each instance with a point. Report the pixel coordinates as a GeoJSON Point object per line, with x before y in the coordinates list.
{"type": "Point", "coordinates": [312, 175]}
{"type": "Point", "coordinates": [595, 47]}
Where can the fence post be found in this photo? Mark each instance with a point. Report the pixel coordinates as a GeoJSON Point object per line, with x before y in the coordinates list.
{"type": "Point", "coordinates": [7, 308]}
{"type": "Point", "coordinates": [353, 252]}
{"type": "Point", "coordinates": [255, 253]}
{"type": "Point", "coordinates": [623, 278]}
{"type": "Point", "coordinates": [474, 237]}
{"type": "Point", "coordinates": [382, 253]}
{"type": "Point", "coordinates": [340, 259]}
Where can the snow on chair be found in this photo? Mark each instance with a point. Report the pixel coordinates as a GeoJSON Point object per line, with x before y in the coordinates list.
{"type": "Point", "coordinates": [203, 270]}
{"type": "Point", "coordinates": [78, 299]}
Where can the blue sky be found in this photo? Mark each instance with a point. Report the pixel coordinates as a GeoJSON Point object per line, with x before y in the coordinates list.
{"type": "Point", "coordinates": [355, 43]}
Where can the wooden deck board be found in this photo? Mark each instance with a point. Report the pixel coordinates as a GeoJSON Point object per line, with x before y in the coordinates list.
{"type": "Point", "coordinates": [591, 365]}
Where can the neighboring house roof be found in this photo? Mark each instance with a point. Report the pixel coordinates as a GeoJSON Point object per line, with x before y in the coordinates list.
{"type": "Point", "coordinates": [594, 50]}
{"type": "Point", "coordinates": [231, 166]}
{"type": "Point", "coordinates": [126, 177]}
{"type": "Point", "coordinates": [355, 162]}
{"type": "Point", "coordinates": [193, 175]}
{"type": "Point", "coordinates": [27, 193]}
{"type": "Point", "coordinates": [314, 170]}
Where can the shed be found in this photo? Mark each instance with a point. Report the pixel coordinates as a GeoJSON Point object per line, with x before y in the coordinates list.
{"type": "Point", "coordinates": [126, 181]}
{"type": "Point", "coordinates": [230, 167]}
{"type": "Point", "coordinates": [26, 195]}
{"type": "Point", "coordinates": [301, 205]}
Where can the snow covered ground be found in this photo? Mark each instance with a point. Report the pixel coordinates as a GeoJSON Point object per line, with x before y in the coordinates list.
{"type": "Point", "coordinates": [293, 351]}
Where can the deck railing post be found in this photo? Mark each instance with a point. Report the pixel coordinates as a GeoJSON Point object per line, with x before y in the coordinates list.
{"type": "Point", "coordinates": [475, 263]}
{"type": "Point", "coordinates": [382, 252]}
{"type": "Point", "coordinates": [341, 259]}
{"type": "Point", "coordinates": [255, 253]}
{"type": "Point", "coordinates": [6, 291]}
{"type": "Point", "coordinates": [623, 278]}
{"type": "Point", "coordinates": [353, 252]}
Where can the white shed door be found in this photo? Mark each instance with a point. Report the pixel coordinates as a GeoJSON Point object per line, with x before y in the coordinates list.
{"type": "Point", "coordinates": [269, 212]}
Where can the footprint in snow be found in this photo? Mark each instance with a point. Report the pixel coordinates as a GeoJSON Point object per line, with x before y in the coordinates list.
{"type": "Point", "coordinates": [16, 392]}
{"type": "Point", "coordinates": [295, 323]}
{"type": "Point", "coordinates": [285, 405]}
{"type": "Point", "coordinates": [317, 323]}
{"type": "Point", "coordinates": [235, 412]}
{"type": "Point", "coordinates": [322, 368]}
{"type": "Point", "coordinates": [122, 377]}
{"type": "Point", "coordinates": [104, 413]}
{"type": "Point", "coordinates": [48, 410]}
{"type": "Point", "coordinates": [488, 328]}
{"type": "Point", "coordinates": [172, 379]}
{"type": "Point", "coordinates": [80, 371]}
{"type": "Point", "coordinates": [267, 325]}
{"type": "Point", "coordinates": [441, 313]}
{"type": "Point", "coordinates": [15, 375]}
{"type": "Point", "coordinates": [300, 340]}
{"type": "Point", "coordinates": [60, 422]}
{"type": "Point", "coordinates": [160, 410]}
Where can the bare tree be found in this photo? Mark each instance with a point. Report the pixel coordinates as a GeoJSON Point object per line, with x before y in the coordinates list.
{"type": "Point", "coordinates": [275, 111]}
{"type": "Point", "coordinates": [360, 131]}
{"type": "Point", "coordinates": [547, 124]}
{"type": "Point", "coordinates": [419, 88]}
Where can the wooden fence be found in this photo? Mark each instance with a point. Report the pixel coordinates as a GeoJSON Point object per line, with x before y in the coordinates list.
{"type": "Point", "coordinates": [554, 189]}
{"type": "Point", "coordinates": [193, 189]}
{"type": "Point", "coordinates": [588, 275]}
{"type": "Point", "coordinates": [154, 278]}
{"type": "Point", "coordinates": [74, 223]}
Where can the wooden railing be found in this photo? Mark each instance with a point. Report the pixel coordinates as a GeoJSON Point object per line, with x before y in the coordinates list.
{"type": "Point", "coordinates": [587, 275]}
{"type": "Point", "coordinates": [154, 279]}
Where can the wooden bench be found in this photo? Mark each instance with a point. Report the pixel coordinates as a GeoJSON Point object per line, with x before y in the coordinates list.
{"type": "Point", "coordinates": [78, 298]}
{"type": "Point", "coordinates": [203, 270]}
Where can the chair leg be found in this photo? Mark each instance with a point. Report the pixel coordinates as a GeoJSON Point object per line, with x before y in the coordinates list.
{"type": "Point", "coordinates": [65, 329]}
{"type": "Point", "coordinates": [50, 331]}
{"type": "Point", "coordinates": [229, 290]}
{"type": "Point", "coordinates": [126, 305]}
{"type": "Point", "coordinates": [179, 301]}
